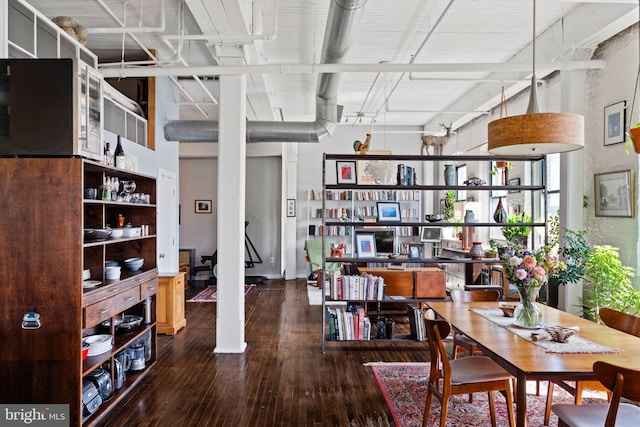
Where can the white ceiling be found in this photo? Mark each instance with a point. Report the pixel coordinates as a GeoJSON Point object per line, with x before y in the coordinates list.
{"type": "Point", "coordinates": [454, 32]}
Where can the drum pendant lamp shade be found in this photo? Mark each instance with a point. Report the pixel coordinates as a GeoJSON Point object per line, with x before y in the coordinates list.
{"type": "Point", "coordinates": [535, 132]}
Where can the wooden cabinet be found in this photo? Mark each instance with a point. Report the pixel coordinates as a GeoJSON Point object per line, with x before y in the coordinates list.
{"type": "Point", "coordinates": [170, 306]}
{"type": "Point", "coordinates": [44, 254]}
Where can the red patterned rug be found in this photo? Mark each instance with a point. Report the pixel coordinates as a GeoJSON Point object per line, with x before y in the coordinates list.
{"type": "Point", "coordinates": [210, 294]}
{"type": "Point", "coordinates": [404, 386]}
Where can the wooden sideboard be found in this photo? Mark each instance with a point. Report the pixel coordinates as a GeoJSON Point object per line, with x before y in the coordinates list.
{"type": "Point", "coordinates": [170, 308]}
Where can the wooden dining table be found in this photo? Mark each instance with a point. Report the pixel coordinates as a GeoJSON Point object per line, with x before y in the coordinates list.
{"type": "Point", "coordinates": [526, 360]}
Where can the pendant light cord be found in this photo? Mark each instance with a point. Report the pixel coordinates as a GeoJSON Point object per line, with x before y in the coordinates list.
{"type": "Point", "coordinates": [533, 97]}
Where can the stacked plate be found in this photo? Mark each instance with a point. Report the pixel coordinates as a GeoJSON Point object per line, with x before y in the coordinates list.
{"type": "Point", "coordinates": [99, 343]}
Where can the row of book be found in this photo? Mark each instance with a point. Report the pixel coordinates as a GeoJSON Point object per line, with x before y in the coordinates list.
{"type": "Point", "coordinates": [406, 175]}
{"type": "Point", "coordinates": [365, 287]}
{"type": "Point", "coordinates": [386, 195]}
{"type": "Point", "coordinates": [329, 230]}
{"type": "Point", "coordinates": [416, 323]}
{"type": "Point", "coordinates": [345, 325]}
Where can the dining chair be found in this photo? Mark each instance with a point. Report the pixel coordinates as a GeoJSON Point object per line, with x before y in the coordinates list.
{"type": "Point", "coordinates": [624, 383]}
{"type": "Point", "coordinates": [473, 374]}
{"type": "Point", "coordinates": [458, 295]}
{"type": "Point", "coordinates": [614, 319]}
{"type": "Point", "coordinates": [624, 322]}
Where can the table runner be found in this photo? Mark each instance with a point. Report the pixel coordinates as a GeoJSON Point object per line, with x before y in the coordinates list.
{"type": "Point", "coordinates": [575, 343]}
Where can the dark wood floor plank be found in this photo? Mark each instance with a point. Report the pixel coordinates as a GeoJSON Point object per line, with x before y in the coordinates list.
{"type": "Point", "coordinates": [282, 379]}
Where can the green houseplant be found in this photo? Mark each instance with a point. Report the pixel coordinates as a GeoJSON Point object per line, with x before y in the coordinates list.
{"type": "Point", "coordinates": [608, 284]}
{"type": "Point", "coordinates": [449, 201]}
{"type": "Point", "coordinates": [517, 234]}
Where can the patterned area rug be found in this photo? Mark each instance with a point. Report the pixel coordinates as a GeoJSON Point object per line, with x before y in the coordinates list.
{"type": "Point", "coordinates": [210, 294]}
{"type": "Point", "coordinates": [404, 386]}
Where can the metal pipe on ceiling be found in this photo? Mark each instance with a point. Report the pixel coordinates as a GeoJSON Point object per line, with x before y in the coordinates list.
{"type": "Point", "coordinates": [342, 24]}
{"type": "Point", "coordinates": [125, 30]}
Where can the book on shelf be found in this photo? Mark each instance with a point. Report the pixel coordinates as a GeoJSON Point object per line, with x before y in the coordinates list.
{"type": "Point", "coordinates": [366, 287]}
{"type": "Point", "coordinates": [416, 323]}
{"type": "Point", "coordinates": [348, 325]}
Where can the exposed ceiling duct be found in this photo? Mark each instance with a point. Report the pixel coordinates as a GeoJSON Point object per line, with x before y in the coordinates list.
{"type": "Point", "coordinates": [342, 23]}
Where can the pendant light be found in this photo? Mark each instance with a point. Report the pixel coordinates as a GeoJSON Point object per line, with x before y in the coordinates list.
{"type": "Point", "coordinates": [536, 132]}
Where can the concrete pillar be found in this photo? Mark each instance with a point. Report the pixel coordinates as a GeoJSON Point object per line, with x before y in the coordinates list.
{"type": "Point", "coordinates": [290, 187]}
{"type": "Point", "coordinates": [232, 150]}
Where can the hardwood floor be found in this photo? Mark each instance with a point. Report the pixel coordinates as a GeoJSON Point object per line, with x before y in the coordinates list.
{"type": "Point", "coordinates": [282, 379]}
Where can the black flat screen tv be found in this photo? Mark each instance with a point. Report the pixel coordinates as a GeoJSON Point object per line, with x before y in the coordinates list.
{"type": "Point", "coordinates": [385, 241]}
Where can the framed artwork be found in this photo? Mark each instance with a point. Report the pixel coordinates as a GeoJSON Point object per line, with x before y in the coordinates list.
{"type": "Point", "coordinates": [377, 172]}
{"type": "Point", "coordinates": [415, 251]}
{"type": "Point", "coordinates": [203, 206]}
{"type": "Point", "coordinates": [514, 182]}
{"type": "Point", "coordinates": [346, 172]}
{"type": "Point", "coordinates": [366, 245]}
{"type": "Point", "coordinates": [291, 207]}
{"type": "Point", "coordinates": [614, 123]}
{"type": "Point", "coordinates": [431, 234]}
{"type": "Point", "coordinates": [389, 212]}
{"type": "Point", "coordinates": [614, 194]}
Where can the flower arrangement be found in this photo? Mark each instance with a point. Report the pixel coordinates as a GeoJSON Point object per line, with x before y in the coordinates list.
{"type": "Point", "coordinates": [528, 272]}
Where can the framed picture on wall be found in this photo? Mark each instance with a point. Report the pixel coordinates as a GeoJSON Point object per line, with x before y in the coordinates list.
{"type": "Point", "coordinates": [366, 245]}
{"type": "Point", "coordinates": [614, 123]}
{"type": "Point", "coordinates": [203, 206]}
{"type": "Point", "coordinates": [415, 251]}
{"type": "Point", "coordinates": [389, 212]}
{"type": "Point", "coordinates": [614, 194]}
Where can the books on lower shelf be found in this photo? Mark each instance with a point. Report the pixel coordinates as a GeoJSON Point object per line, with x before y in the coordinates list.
{"type": "Point", "coordinates": [366, 287]}
{"type": "Point", "coordinates": [346, 325]}
{"type": "Point", "coordinates": [416, 323]}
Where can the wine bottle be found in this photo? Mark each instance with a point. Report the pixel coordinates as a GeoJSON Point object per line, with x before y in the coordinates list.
{"type": "Point", "coordinates": [119, 155]}
{"type": "Point", "coordinates": [107, 154]}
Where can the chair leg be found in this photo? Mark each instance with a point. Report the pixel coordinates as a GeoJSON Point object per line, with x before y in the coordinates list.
{"type": "Point", "coordinates": [443, 411]}
{"type": "Point", "coordinates": [492, 408]}
{"type": "Point", "coordinates": [547, 408]}
{"type": "Point", "coordinates": [509, 400]}
{"type": "Point", "coordinates": [427, 407]}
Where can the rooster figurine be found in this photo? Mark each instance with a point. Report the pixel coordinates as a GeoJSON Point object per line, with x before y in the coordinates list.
{"type": "Point", "coordinates": [362, 147]}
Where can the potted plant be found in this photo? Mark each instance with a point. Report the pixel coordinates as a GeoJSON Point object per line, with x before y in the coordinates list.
{"type": "Point", "coordinates": [608, 284]}
{"type": "Point", "coordinates": [502, 168]}
{"type": "Point", "coordinates": [449, 202]}
{"type": "Point", "coordinates": [517, 234]}
{"type": "Point", "coordinates": [633, 138]}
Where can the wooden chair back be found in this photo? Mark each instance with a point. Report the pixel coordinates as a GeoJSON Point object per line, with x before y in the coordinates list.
{"type": "Point", "coordinates": [436, 329]}
{"type": "Point", "coordinates": [459, 295]}
{"type": "Point", "coordinates": [621, 321]}
{"type": "Point", "coordinates": [623, 382]}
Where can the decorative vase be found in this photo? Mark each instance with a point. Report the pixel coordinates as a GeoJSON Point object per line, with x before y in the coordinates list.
{"type": "Point", "coordinates": [449, 174]}
{"type": "Point", "coordinates": [500, 214]}
{"type": "Point", "coordinates": [467, 231]}
{"type": "Point", "coordinates": [527, 314]}
{"type": "Point", "coordinates": [476, 251]}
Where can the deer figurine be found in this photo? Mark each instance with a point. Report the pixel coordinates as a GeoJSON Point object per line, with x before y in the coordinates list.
{"type": "Point", "coordinates": [436, 141]}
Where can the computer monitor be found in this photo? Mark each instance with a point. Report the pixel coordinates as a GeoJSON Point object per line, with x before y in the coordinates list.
{"type": "Point", "coordinates": [385, 241]}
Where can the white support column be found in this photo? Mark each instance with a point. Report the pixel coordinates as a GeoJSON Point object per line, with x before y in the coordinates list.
{"type": "Point", "coordinates": [290, 177]}
{"type": "Point", "coordinates": [572, 179]}
{"type": "Point", "coordinates": [232, 150]}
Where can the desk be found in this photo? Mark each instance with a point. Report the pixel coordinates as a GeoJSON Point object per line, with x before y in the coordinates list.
{"type": "Point", "coordinates": [528, 361]}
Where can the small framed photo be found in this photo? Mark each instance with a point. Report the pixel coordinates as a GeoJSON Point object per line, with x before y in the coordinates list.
{"type": "Point", "coordinates": [203, 206]}
{"type": "Point", "coordinates": [614, 123]}
{"type": "Point", "coordinates": [614, 194]}
{"type": "Point", "coordinates": [389, 212]}
{"type": "Point", "coordinates": [366, 245]}
{"type": "Point", "coordinates": [431, 234]}
{"type": "Point", "coordinates": [415, 251]}
{"type": "Point", "coordinates": [514, 182]}
{"type": "Point", "coordinates": [291, 207]}
{"type": "Point", "coordinates": [346, 172]}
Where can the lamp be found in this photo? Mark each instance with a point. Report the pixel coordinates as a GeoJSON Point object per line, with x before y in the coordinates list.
{"type": "Point", "coordinates": [536, 132]}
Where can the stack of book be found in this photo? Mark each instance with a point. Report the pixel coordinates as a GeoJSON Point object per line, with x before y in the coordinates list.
{"type": "Point", "coordinates": [345, 325]}
{"type": "Point", "coordinates": [406, 175]}
{"type": "Point", "coordinates": [416, 323]}
{"type": "Point", "coordinates": [366, 287]}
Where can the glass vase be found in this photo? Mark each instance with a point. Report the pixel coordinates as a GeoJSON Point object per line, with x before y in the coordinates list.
{"type": "Point", "coordinates": [527, 314]}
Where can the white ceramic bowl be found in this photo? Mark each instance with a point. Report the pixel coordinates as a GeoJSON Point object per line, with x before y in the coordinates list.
{"type": "Point", "coordinates": [112, 273]}
{"type": "Point", "coordinates": [117, 233]}
{"type": "Point", "coordinates": [99, 344]}
{"type": "Point", "coordinates": [133, 263]}
{"type": "Point", "coordinates": [131, 232]}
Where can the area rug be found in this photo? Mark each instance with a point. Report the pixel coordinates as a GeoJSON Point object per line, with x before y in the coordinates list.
{"type": "Point", "coordinates": [404, 386]}
{"type": "Point", "coordinates": [210, 294]}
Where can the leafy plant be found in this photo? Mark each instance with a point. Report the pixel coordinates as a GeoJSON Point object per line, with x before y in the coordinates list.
{"type": "Point", "coordinates": [449, 201]}
{"type": "Point", "coordinates": [513, 234]}
{"type": "Point", "coordinates": [608, 284]}
{"type": "Point", "coordinates": [496, 170]}
{"type": "Point", "coordinates": [576, 252]}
